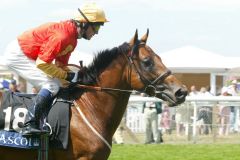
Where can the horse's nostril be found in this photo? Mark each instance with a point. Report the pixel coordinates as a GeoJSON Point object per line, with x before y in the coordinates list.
{"type": "Point", "coordinates": [181, 93]}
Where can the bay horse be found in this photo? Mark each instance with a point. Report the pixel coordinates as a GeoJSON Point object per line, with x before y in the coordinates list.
{"type": "Point", "coordinates": [96, 114]}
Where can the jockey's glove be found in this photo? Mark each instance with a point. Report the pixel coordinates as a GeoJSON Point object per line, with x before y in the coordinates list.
{"type": "Point", "coordinates": [72, 76]}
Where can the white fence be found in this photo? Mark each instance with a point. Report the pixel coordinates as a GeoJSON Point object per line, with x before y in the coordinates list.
{"type": "Point", "coordinates": [188, 111]}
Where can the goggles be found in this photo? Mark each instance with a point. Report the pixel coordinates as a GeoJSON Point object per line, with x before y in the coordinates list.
{"type": "Point", "coordinates": [95, 28]}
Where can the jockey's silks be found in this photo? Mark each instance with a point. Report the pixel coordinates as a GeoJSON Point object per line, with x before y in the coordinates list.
{"type": "Point", "coordinates": [49, 42]}
{"type": "Point", "coordinates": [51, 69]}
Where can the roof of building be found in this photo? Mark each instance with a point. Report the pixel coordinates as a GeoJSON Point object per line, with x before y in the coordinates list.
{"type": "Point", "coordinates": [189, 58]}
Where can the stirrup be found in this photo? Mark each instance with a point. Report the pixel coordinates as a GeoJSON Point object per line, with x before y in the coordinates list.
{"type": "Point", "coordinates": [33, 130]}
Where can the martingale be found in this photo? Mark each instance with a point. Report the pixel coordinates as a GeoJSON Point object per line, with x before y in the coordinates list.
{"type": "Point", "coordinates": [13, 111]}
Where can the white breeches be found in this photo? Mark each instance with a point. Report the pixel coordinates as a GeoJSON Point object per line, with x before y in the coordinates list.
{"type": "Point", "coordinates": [26, 68]}
{"type": "Point", "coordinates": [151, 124]}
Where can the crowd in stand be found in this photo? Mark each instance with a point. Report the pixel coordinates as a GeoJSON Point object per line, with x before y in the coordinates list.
{"type": "Point", "coordinates": [227, 116]}
{"type": "Point", "coordinates": [10, 84]}
{"type": "Point", "coordinates": [14, 86]}
{"type": "Point", "coordinates": [178, 119]}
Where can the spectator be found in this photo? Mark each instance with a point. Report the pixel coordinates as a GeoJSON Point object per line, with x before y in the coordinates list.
{"type": "Point", "coordinates": [193, 91]}
{"type": "Point", "coordinates": [1, 87]}
{"type": "Point", "coordinates": [151, 122]}
{"type": "Point", "coordinates": [182, 118]}
{"type": "Point", "coordinates": [34, 90]}
{"type": "Point", "coordinates": [205, 114]}
{"type": "Point", "coordinates": [166, 119]}
{"type": "Point", "coordinates": [234, 114]}
{"type": "Point", "coordinates": [224, 112]}
{"type": "Point", "coordinates": [233, 88]}
{"type": "Point", "coordinates": [13, 86]}
{"type": "Point", "coordinates": [204, 92]}
{"type": "Point", "coordinates": [5, 84]}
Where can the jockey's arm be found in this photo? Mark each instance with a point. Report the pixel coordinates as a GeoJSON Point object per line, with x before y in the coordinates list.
{"type": "Point", "coordinates": [61, 65]}
{"type": "Point", "coordinates": [62, 62]}
{"type": "Point", "coordinates": [51, 69]}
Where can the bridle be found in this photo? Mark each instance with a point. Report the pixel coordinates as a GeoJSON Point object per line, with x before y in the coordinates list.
{"type": "Point", "coordinates": [151, 86]}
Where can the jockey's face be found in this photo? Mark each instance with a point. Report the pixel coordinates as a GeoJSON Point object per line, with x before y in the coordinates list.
{"type": "Point", "coordinates": [89, 31]}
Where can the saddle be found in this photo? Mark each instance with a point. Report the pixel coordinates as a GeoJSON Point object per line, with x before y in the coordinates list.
{"type": "Point", "coordinates": [13, 109]}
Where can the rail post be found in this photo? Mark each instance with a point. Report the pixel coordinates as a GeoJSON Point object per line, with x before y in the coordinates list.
{"type": "Point", "coordinates": [44, 147]}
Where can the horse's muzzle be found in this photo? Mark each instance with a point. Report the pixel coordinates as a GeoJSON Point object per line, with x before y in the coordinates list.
{"type": "Point", "coordinates": [181, 94]}
{"type": "Point", "coordinates": [173, 97]}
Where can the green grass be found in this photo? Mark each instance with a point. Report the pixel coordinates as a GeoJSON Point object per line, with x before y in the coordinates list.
{"type": "Point", "coordinates": [176, 152]}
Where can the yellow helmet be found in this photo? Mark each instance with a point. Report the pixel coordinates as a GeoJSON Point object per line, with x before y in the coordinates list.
{"type": "Point", "coordinates": [93, 13]}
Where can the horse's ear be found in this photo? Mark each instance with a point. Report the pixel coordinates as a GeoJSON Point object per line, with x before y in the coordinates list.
{"type": "Point", "coordinates": [134, 39]}
{"type": "Point", "coordinates": [145, 37]}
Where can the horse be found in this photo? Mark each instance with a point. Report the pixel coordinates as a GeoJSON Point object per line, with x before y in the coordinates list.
{"type": "Point", "coordinates": [98, 109]}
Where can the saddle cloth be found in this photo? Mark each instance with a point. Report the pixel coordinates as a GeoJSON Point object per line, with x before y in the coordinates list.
{"type": "Point", "coordinates": [13, 109]}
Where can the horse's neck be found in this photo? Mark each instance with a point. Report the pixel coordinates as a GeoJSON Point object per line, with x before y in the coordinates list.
{"type": "Point", "coordinates": [115, 77]}
{"type": "Point", "coordinates": [106, 108]}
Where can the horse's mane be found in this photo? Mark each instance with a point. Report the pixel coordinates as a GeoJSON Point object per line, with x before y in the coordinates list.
{"type": "Point", "coordinates": [100, 61]}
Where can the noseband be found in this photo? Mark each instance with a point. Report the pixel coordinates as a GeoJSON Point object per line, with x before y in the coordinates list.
{"type": "Point", "coordinates": [151, 86]}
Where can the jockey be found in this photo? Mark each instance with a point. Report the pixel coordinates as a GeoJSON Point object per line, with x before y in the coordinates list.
{"type": "Point", "coordinates": [33, 53]}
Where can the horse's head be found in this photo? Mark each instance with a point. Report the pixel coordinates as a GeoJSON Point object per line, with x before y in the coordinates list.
{"type": "Point", "coordinates": [149, 74]}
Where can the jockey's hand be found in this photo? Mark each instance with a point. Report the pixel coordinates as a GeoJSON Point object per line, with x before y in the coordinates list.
{"type": "Point", "coordinates": [72, 76]}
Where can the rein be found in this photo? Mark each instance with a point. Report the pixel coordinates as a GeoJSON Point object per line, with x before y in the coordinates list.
{"type": "Point", "coordinates": [96, 88]}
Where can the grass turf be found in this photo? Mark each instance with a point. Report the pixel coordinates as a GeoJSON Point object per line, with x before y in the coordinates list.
{"type": "Point", "coordinates": [176, 152]}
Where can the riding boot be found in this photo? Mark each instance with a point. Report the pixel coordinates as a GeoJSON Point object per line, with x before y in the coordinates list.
{"type": "Point", "coordinates": [35, 113]}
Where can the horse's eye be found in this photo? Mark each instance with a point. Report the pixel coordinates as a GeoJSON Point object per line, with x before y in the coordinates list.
{"type": "Point", "coordinates": [147, 62]}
